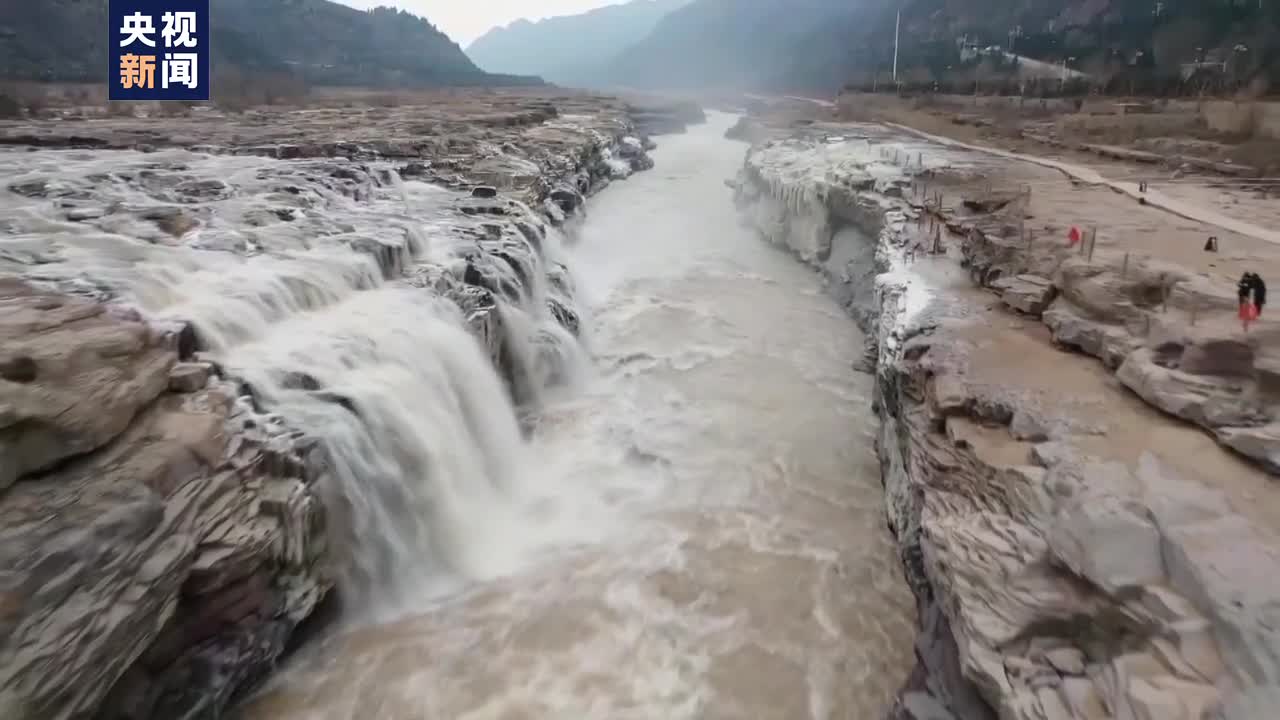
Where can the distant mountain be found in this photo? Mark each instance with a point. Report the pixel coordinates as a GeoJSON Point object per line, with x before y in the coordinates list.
{"type": "Point", "coordinates": [742, 44]}
{"type": "Point", "coordinates": [324, 42]}
{"type": "Point", "coordinates": [571, 49]}
{"type": "Point", "coordinates": [810, 45]}
{"type": "Point", "coordinates": [55, 40]}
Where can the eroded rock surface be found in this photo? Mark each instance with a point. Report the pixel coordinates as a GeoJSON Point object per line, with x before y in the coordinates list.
{"type": "Point", "coordinates": [174, 542]}
{"type": "Point", "coordinates": [74, 377]}
{"type": "Point", "coordinates": [1029, 294]}
{"type": "Point", "coordinates": [1072, 583]}
{"type": "Point", "coordinates": [1051, 584]}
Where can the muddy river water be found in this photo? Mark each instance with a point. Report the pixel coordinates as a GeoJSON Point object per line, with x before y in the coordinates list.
{"type": "Point", "coordinates": [695, 528]}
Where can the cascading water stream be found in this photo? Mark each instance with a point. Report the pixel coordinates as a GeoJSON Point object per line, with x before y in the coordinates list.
{"type": "Point", "coordinates": [696, 529]}
{"type": "Point", "coordinates": [423, 439]}
{"type": "Point", "coordinates": [311, 317]}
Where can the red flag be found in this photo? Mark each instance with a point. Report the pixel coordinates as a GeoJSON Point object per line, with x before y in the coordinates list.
{"type": "Point", "coordinates": [1073, 237]}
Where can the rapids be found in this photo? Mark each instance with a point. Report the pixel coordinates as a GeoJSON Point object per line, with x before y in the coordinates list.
{"type": "Point", "coordinates": [693, 527]}
{"type": "Point", "coordinates": [306, 282]}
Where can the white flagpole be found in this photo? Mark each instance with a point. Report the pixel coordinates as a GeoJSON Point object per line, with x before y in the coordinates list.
{"type": "Point", "coordinates": [897, 27]}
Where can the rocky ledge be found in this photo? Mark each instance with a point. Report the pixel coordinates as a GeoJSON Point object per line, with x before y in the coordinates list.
{"type": "Point", "coordinates": [1054, 579]}
{"type": "Point", "coordinates": [165, 531]}
{"type": "Point", "coordinates": [1139, 317]}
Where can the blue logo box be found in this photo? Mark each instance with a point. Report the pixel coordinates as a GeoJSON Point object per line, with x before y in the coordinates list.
{"type": "Point", "coordinates": [158, 49]}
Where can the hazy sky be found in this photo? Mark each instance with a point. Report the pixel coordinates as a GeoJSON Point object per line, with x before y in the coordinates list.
{"type": "Point", "coordinates": [466, 20]}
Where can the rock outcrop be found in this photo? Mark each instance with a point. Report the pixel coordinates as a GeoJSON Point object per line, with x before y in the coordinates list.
{"type": "Point", "coordinates": [1051, 584]}
{"type": "Point", "coordinates": [165, 529]}
{"type": "Point", "coordinates": [1139, 318]}
{"type": "Point", "coordinates": [1071, 585]}
{"type": "Point", "coordinates": [163, 538]}
{"type": "Point", "coordinates": [75, 378]}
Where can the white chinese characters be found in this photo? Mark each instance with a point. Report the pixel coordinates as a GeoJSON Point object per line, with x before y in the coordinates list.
{"type": "Point", "coordinates": [181, 69]}
{"type": "Point", "coordinates": [137, 28]}
{"type": "Point", "coordinates": [178, 67]}
{"type": "Point", "coordinates": [178, 29]}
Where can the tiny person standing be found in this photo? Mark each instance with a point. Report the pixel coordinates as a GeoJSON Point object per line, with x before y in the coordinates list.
{"type": "Point", "coordinates": [1252, 293]}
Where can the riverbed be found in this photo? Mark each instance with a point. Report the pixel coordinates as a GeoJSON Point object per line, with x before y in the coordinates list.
{"type": "Point", "coordinates": [696, 527]}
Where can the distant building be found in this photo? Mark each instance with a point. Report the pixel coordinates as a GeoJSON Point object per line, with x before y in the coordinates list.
{"type": "Point", "coordinates": [1210, 68]}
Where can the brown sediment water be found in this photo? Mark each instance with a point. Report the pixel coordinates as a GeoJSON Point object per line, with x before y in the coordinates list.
{"type": "Point", "coordinates": [699, 516]}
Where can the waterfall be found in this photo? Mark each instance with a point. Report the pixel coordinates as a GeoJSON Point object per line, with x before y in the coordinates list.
{"type": "Point", "coordinates": [355, 308]}
{"type": "Point", "coordinates": [422, 436]}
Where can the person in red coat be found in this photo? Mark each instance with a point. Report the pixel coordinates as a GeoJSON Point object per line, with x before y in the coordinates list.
{"type": "Point", "coordinates": [1252, 293]}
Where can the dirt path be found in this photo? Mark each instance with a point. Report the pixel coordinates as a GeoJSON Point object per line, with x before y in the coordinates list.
{"type": "Point", "coordinates": [1154, 198]}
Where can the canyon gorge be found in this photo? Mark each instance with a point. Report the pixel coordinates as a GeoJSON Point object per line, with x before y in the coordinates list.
{"type": "Point", "coordinates": [542, 403]}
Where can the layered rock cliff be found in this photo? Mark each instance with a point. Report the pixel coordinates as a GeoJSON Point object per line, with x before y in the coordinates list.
{"type": "Point", "coordinates": [166, 525]}
{"type": "Point", "coordinates": [1053, 580]}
